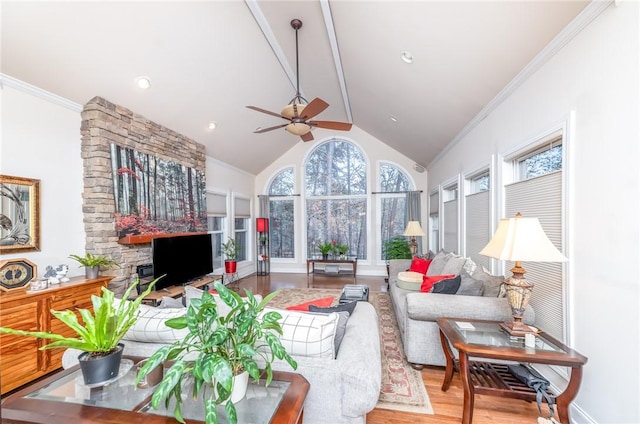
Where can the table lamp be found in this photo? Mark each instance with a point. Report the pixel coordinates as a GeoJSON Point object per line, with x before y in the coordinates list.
{"type": "Point", "coordinates": [413, 230]}
{"type": "Point", "coordinates": [520, 239]}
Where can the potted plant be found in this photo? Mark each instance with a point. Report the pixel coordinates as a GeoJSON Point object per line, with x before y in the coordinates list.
{"type": "Point", "coordinates": [324, 249]}
{"type": "Point", "coordinates": [230, 251]}
{"type": "Point", "coordinates": [217, 355]}
{"type": "Point", "coordinates": [396, 248]}
{"type": "Point", "coordinates": [99, 333]}
{"type": "Point", "coordinates": [92, 263]}
{"type": "Point", "coordinates": [342, 250]}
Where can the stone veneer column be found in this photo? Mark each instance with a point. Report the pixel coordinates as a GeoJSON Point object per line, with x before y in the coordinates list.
{"type": "Point", "coordinates": [104, 123]}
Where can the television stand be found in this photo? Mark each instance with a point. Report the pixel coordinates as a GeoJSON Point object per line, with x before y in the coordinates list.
{"type": "Point", "coordinates": [156, 296]}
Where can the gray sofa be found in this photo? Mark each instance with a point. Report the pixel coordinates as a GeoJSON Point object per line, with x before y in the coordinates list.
{"type": "Point", "coordinates": [417, 312]}
{"type": "Point", "coordinates": [342, 390]}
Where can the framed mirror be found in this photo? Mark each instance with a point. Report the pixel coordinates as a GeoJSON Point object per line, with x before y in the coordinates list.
{"type": "Point", "coordinates": [19, 214]}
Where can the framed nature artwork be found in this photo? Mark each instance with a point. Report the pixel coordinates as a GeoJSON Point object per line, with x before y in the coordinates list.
{"type": "Point", "coordinates": [154, 195]}
{"type": "Point", "coordinates": [19, 214]}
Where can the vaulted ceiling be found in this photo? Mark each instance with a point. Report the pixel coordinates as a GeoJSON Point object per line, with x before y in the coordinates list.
{"type": "Point", "coordinates": [208, 60]}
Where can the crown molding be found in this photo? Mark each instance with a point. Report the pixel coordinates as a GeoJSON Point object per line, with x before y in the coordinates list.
{"type": "Point", "coordinates": [580, 22]}
{"type": "Point", "coordinates": [9, 81]}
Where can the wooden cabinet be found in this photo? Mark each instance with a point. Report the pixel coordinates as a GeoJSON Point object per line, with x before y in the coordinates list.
{"type": "Point", "coordinates": [21, 361]}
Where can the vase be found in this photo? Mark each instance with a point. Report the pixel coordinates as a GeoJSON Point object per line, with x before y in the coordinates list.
{"type": "Point", "coordinates": [230, 266]}
{"type": "Point", "coordinates": [91, 272]}
{"type": "Point", "coordinates": [98, 369]}
{"type": "Point", "coordinates": [240, 384]}
{"type": "Point", "coordinates": [325, 256]}
{"type": "Point", "coordinates": [239, 388]}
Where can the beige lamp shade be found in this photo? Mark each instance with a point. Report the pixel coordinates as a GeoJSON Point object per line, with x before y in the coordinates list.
{"type": "Point", "coordinates": [522, 239]}
{"type": "Point", "coordinates": [413, 229]}
{"type": "Point", "coordinates": [289, 111]}
{"type": "Point", "coordinates": [298, 128]}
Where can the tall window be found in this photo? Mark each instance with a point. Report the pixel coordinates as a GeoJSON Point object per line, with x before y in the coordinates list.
{"type": "Point", "coordinates": [450, 218]}
{"type": "Point", "coordinates": [538, 193]}
{"type": "Point", "coordinates": [434, 222]}
{"type": "Point", "coordinates": [281, 215]}
{"type": "Point", "coordinates": [216, 217]}
{"type": "Point", "coordinates": [336, 197]}
{"type": "Point", "coordinates": [393, 184]}
{"type": "Point", "coordinates": [477, 217]}
{"type": "Point", "coordinates": [242, 213]}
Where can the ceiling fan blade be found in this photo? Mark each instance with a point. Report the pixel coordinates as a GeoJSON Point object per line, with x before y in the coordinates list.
{"type": "Point", "coordinates": [262, 130]}
{"type": "Point", "coordinates": [307, 137]}
{"type": "Point", "coordinates": [316, 106]}
{"type": "Point", "coordinates": [331, 125]}
{"type": "Point", "coordinates": [268, 112]}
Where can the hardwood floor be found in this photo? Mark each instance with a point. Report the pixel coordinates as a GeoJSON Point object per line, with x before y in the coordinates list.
{"type": "Point", "coordinates": [446, 405]}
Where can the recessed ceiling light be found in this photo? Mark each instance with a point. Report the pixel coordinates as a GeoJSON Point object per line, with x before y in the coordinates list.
{"type": "Point", "coordinates": [212, 125]}
{"type": "Point", "coordinates": [143, 82]}
{"type": "Point", "coordinates": [407, 57]}
{"type": "Point", "coordinates": [393, 118]}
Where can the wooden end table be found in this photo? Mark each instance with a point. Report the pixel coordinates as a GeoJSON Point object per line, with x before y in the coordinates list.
{"type": "Point", "coordinates": [485, 339]}
{"type": "Point", "coordinates": [353, 262]}
{"type": "Point", "coordinates": [63, 399]}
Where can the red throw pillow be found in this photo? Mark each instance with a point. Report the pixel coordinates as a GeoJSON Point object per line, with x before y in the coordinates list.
{"type": "Point", "coordinates": [420, 265]}
{"type": "Point", "coordinates": [429, 281]}
{"type": "Point", "coordinates": [322, 303]}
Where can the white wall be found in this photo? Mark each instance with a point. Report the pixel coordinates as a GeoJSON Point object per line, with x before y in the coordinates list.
{"type": "Point", "coordinates": [233, 182]}
{"type": "Point", "coordinates": [41, 140]}
{"type": "Point", "coordinates": [374, 151]}
{"type": "Point", "coordinates": [596, 75]}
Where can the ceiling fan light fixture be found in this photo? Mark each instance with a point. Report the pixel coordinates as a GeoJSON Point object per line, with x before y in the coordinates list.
{"type": "Point", "coordinates": [289, 110]}
{"type": "Point", "coordinates": [298, 128]}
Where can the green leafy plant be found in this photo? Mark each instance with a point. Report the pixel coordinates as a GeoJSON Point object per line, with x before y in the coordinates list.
{"type": "Point", "coordinates": [89, 260]}
{"type": "Point", "coordinates": [230, 249]}
{"type": "Point", "coordinates": [100, 330]}
{"type": "Point", "coordinates": [225, 346]}
{"type": "Point", "coordinates": [396, 248]}
{"type": "Point", "coordinates": [325, 247]}
{"type": "Point", "coordinates": [342, 248]}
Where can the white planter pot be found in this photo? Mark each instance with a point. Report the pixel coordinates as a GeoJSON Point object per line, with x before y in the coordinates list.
{"type": "Point", "coordinates": [240, 383]}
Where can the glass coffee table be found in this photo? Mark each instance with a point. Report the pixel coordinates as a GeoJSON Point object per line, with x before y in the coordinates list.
{"type": "Point", "coordinates": [485, 339]}
{"type": "Point", "coordinates": [63, 398]}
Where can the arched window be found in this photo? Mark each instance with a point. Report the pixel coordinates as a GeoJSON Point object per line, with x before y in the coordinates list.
{"type": "Point", "coordinates": [282, 214]}
{"type": "Point", "coordinates": [393, 184]}
{"type": "Point", "coordinates": [336, 197]}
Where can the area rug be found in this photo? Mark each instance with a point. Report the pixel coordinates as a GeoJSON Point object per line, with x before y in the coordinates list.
{"type": "Point", "coordinates": [402, 387]}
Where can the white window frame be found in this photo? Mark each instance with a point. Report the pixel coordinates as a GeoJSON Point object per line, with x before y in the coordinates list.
{"type": "Point", "coordinates": [296, 209]}
{"type": "Point", "coordinates": [385, 195]}
{"type": "Point", "coordinates": [450, 194]}
{"type": "Point", "coordinates": [247, 230]}
{"type": "Point", "coordinates": [565, 129]}
{"type": "Point", "coordinates": [473, 200]}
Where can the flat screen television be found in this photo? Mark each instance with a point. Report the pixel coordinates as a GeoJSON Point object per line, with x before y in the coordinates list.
{"type": "Point", "coordinates": [181, 258]}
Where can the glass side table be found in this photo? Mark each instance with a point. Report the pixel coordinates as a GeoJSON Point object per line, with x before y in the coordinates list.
{"type": "Point", "coordinates": [63, 398]}
{"type": "Point", "coordinates": [485, 339]}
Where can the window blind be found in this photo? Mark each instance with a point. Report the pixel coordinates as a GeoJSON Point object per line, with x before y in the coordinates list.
{"type": "Point", "coordinates": [433, 203]}
{"type": "Point", "coordinates": [477, 226]}
{"type": "Point", "coordinates": [242, 208]}
{"type": "Point", "coordinates": [541, 197]}
{"type": "Point", "coordinates": [450, 226]}
{"type": "Point", "coordinates": [216, 204]}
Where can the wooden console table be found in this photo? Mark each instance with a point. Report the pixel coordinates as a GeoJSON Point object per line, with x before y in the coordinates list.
{"type": "Point", "coordinates": [21, 358]}
{"type": "Point", "coordinates": [485, 339]}
{"type": "Point", "coordinates": [156, 296]}
{"type": "Point", "coordinates": [311, 264]}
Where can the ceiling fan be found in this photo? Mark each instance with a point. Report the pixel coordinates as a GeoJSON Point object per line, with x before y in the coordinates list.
{"type": "Point", "coordinates": [299, 111]}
